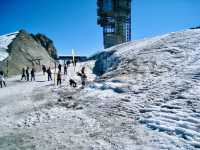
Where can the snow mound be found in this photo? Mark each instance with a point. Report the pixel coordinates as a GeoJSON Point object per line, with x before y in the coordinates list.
{"type": "Point", "coordinates": [163, 75]}
{"type": "Point", "coordinates": [5, 40]}
{"type": "Point", "coordinates": [167, 53]}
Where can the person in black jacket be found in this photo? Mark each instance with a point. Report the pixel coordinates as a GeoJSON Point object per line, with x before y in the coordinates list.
{"type": "Point", "coordinates": [49, 74]}
{"type": "Point", "coordinates": [68, 63]}
{"type": "Point", "coordinates": [59, 78]}
{"type": "Point", "coordinates": [59, 67]}
{"type": "Point", "coordinates": [33, 74]}
{"type": "Point", "coordinates": [65, 70]}
{"type": "Point", "coordinates": [23, 74]}
{"type": "Point", "coordinates": [44, 69]}
{"type": "Point", "coordinates": [2, 79]}
{"type": "Point", "coordinates": [27, 74]}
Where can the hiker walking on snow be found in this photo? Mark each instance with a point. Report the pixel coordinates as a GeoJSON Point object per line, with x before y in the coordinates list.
{"type": "Point", "coordinates": [33, 74]}
{"type": "Point", "coordinates": [27, 74]}
{"type": "Point", "coordinates": [23, 74]}
{"type": "Point", "coordinates": [59, 78]}
{"type": "Point", "coordinates": [65, 70]}
{"type": "Point", "coordinates": [44, 69]}
{"type": "Point", "coordinates": [49, 74]}
{"type": "Point", "coordinates": [2, 79]}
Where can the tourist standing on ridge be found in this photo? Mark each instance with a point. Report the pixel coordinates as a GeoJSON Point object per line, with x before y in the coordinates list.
{"type": "Point", "coordinates": [33, 74]}
{"type": "Point", "coordinates": [49, 74]}
{"type": "Point", "coordinates": [44, 69]}
{"type": "Point", "coordinates": [27, 74]}
{"type": "Point", "coordinates": [2, 79]}
{"type": "Point", "coordinates": [65, 70]}
{"type": "Point", "coordinates": [59, 78]}
{"type": "Point", "coordinates": [23, 74]}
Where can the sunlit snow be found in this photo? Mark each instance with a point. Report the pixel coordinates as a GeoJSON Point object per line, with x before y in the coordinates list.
{"type": "Point", "coordinates": [148, 98]}
{"type": "Point", "coordinates": [5, 40]}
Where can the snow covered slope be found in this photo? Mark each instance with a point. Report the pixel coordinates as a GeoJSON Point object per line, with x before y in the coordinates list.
{"type": "Point", "coordinates": [161, 75]}
{"type": "Point", "coordinates": [5, 40]}
{"type": "Point", "coordinates": [147, 97]}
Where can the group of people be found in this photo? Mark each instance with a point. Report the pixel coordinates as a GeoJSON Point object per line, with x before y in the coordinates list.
{"type": "Point", "coordinates": [59, 74]}
{"type": "Point", "coordinates": [48, 71]}
{"type": "Point", "coordinates": [26, 74]}
{"type": "Point", "coordinates": [29, 75]}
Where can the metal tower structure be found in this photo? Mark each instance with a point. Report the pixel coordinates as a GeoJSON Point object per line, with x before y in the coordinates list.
{"type": "Point", "coordinates": [114, 16]}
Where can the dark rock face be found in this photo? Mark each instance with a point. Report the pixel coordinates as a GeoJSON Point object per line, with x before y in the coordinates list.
{"type": "Point", "coordinates": [46, 43]}
{"type": "Point", "coordinates": [102, 66]}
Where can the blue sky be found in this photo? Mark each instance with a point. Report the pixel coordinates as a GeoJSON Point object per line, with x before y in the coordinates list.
{"type": "Point", "coordinates": [72, 23]}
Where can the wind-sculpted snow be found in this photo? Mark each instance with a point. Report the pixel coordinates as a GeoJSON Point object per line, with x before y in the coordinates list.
{"type": "Point", "coordinates": [5, 40]}
{"type": "Point", "coordinates": [163, 75]}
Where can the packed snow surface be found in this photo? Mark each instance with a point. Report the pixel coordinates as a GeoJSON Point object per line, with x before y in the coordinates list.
{"type": "Point", "coordinates": [146, 99]}
{"type": "Point", "coordinates": [5, 40]}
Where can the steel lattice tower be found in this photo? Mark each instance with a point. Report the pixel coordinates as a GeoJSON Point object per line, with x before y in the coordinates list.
{"type": "Point", "coordinates": [115, 18]}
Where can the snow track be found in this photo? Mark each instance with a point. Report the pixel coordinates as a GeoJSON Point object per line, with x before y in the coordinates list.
{"type": "Point", "coordinates": [173, 119]}
{"type": "Point", "coordinates": [163, 76]}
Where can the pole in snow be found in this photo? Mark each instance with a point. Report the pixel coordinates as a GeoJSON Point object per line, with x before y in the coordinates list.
{"type": "Point", "coordinates": [73, 60]}
{"type": "Point", "coordinates": [55, 73]}
{"type": "Point", "coordinates": [7, 68]}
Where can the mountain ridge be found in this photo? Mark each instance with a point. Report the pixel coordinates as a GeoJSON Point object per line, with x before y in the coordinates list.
{"type": "Point", "coordinates": [23, 50]}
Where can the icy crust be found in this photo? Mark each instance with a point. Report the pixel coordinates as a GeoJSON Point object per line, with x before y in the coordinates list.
{"type": "Point", "coordinates": [5, 40]}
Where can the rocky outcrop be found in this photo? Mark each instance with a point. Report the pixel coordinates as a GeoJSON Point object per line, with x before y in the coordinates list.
{"type": "Point", "coordinates": [47, 43]}
{"type": "Point", "coordinates": [25, 51]}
